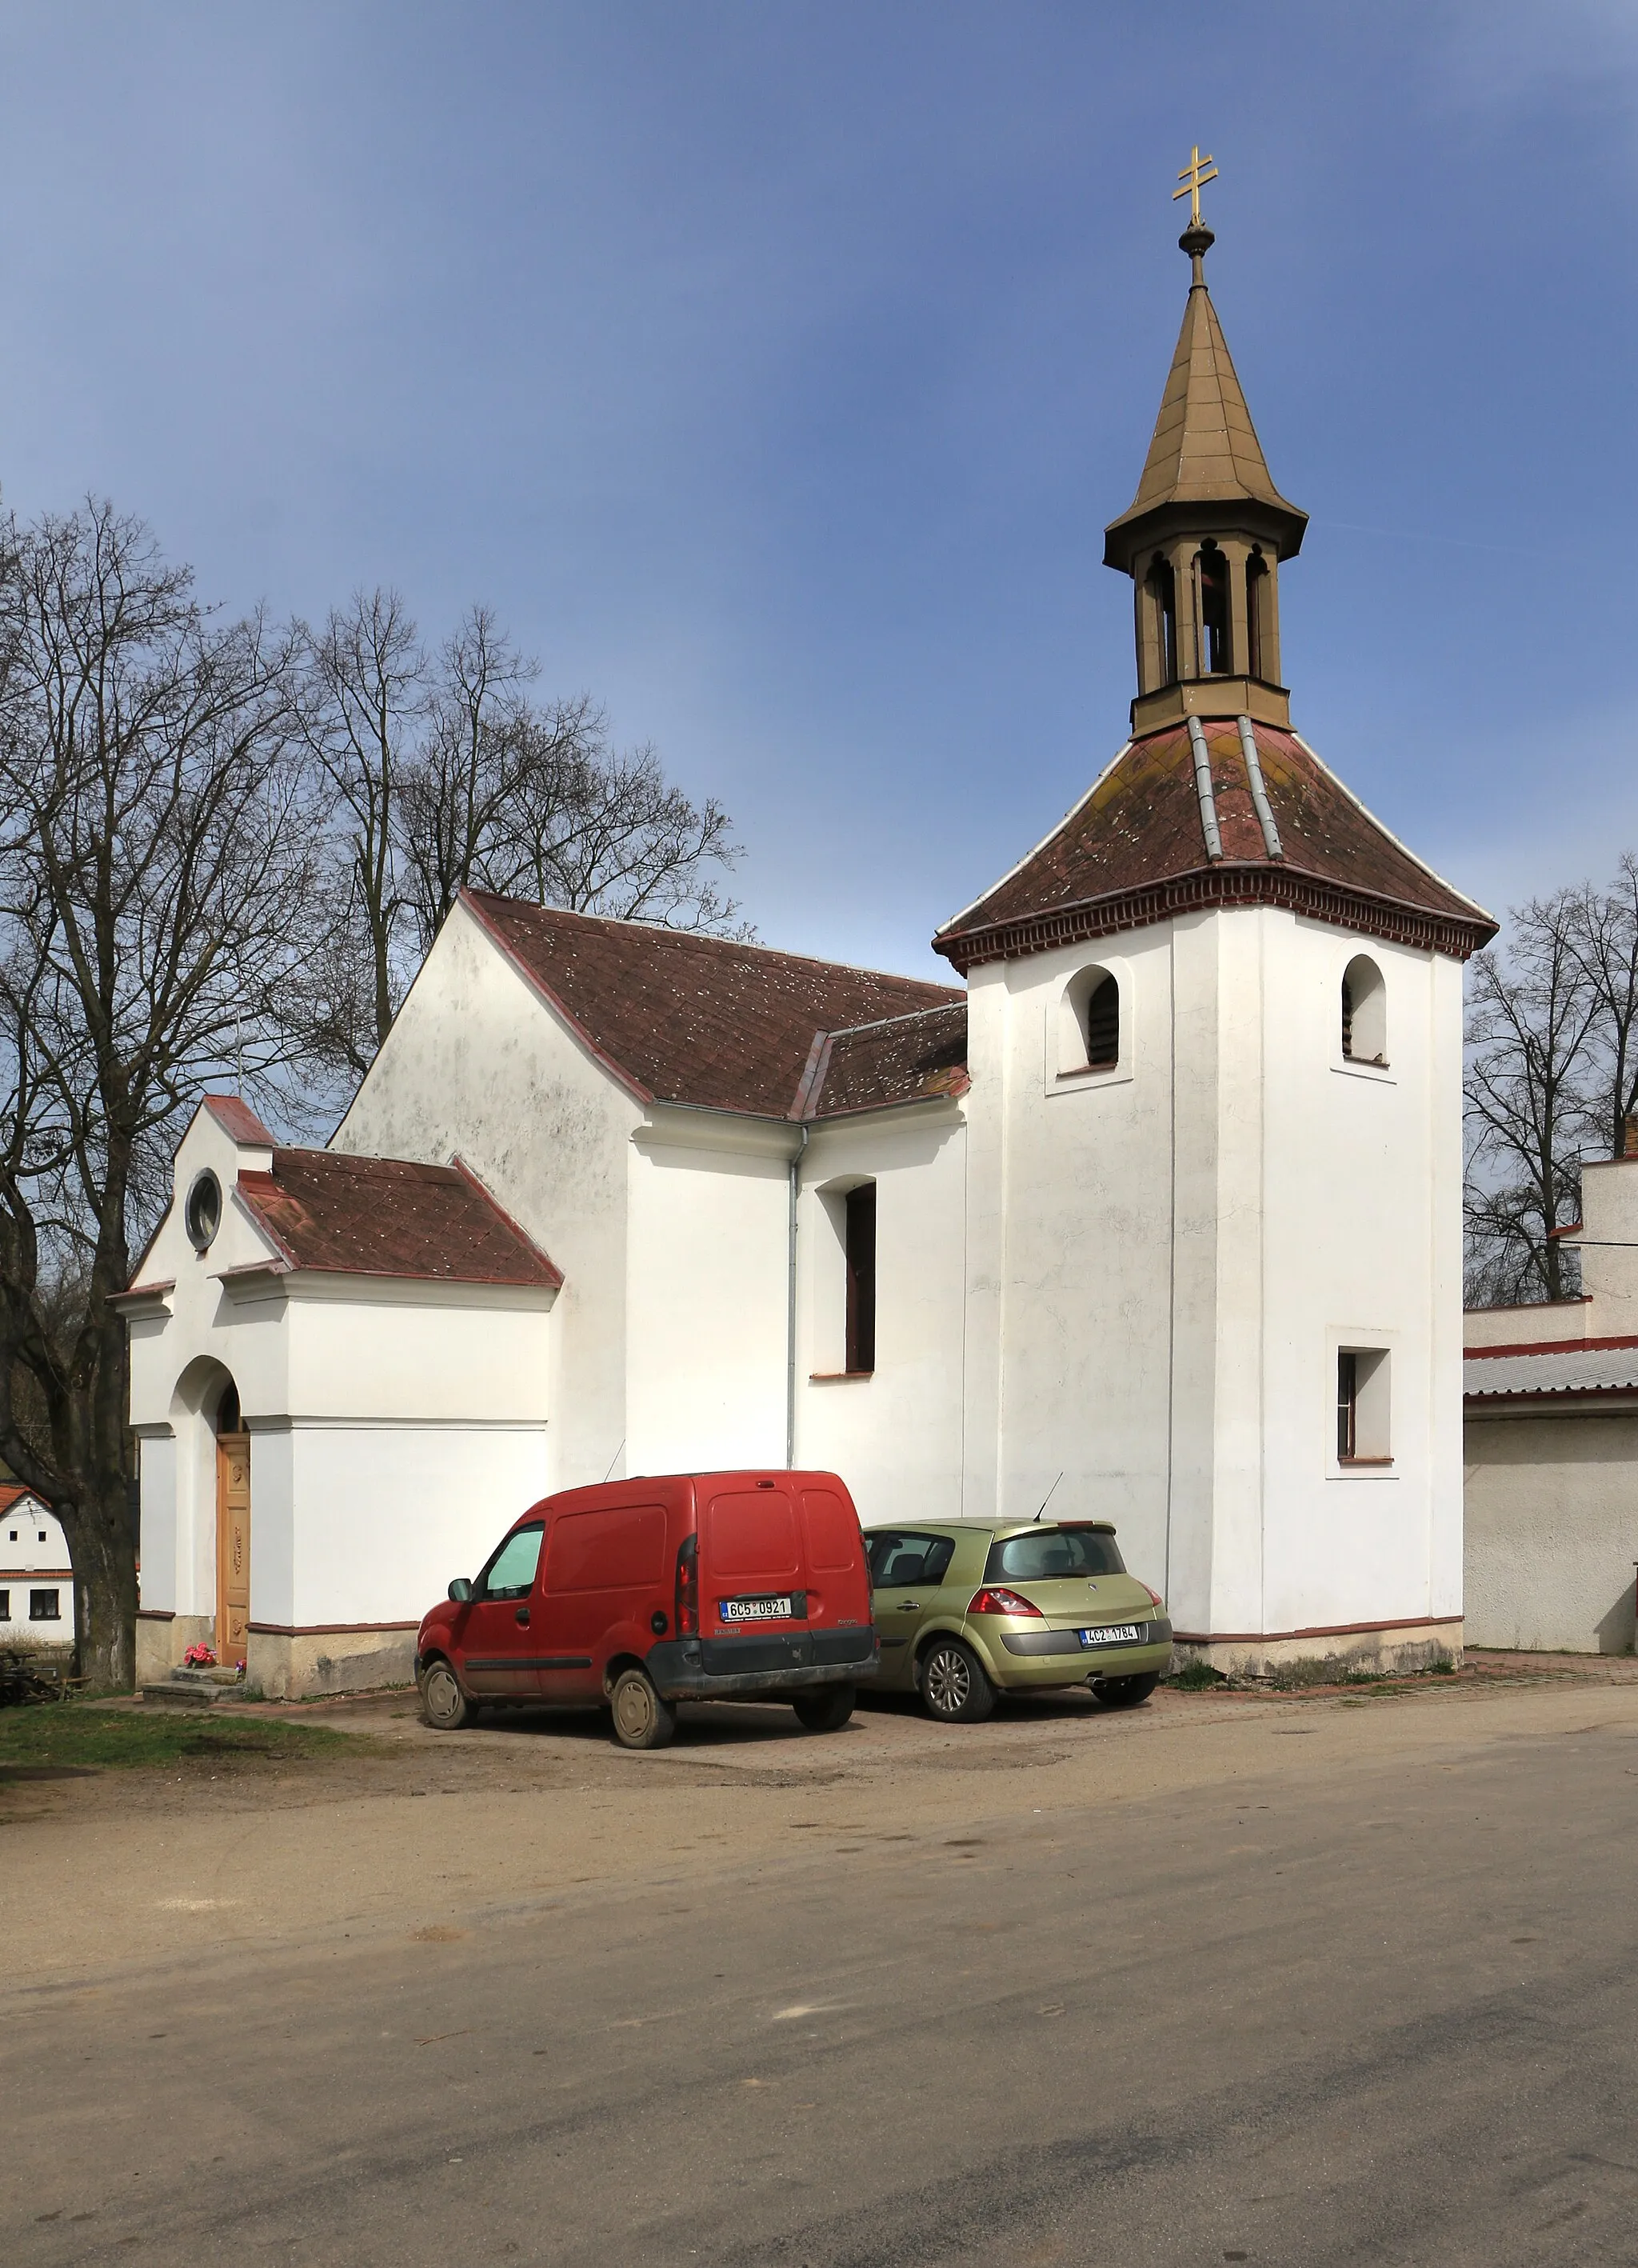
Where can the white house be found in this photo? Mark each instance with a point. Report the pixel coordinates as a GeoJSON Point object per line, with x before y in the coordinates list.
{"type": "Point", "coordinates": [36, 1581]}
{"type": "Point", "coordinates": [1158, 1212]}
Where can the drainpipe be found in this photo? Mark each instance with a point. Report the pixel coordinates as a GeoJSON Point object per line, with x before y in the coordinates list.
{"type": "Point", "coordinates": [790, 1305]}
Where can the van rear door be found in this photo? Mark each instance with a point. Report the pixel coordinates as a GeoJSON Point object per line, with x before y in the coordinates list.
{"type": "Point", "coordinates": [751, 1569]}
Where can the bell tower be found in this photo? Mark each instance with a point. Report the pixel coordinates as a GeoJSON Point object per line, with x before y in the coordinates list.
{"type": "Point", "coordinates": [1205, 536]}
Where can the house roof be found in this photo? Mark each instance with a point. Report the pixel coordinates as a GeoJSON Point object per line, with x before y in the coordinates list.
{"type": "Point", "coordinates": [325, 1209]}
{"type": "Point", "coordinates": [1138, 848]}
{"type": "Point", "coordinates": [1593, 1366]}
{"type": "Point", "coordinates": [722, 1025]}
{"type": "Point", "coordinates": [12, 1493]}
{"type": "Point", "coordinates": [1205, 448]}
{"type": "Point", "coordinates": [238, 1121]}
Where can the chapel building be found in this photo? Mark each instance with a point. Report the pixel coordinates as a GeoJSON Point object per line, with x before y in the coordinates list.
{"type": "Point", "coordinates": [1155, 1215]}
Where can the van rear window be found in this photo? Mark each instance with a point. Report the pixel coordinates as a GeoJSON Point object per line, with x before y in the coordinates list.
{"type": "Point", "coordinates": [613, 1549]}
{"type": "Point", "coordinates": [752, 1532]}
{"type": "Point", "coordinates": [1041, 1555]}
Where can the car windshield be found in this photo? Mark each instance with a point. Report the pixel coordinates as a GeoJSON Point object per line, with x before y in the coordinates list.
{"type": "Point", "coordinates": [511, 1573]}
{"type": "Point", "coordinates": [1043, 1555]}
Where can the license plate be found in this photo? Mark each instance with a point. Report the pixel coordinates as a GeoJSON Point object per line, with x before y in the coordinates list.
{"type": "Point", "coordinates": [756, 1611]}
{"type": "Point", "coordinates": [1112, 1634]}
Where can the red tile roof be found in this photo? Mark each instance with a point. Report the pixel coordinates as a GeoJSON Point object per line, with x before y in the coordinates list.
{"type": "Point", "coordinates": [238, 1120]}
{"type": "Point", "coordinates": [13, 1492]}
{"type": "Point", "coordinates": [714, 1024]}
{"type": "Point", "coordinates": [1134, 851]}
{"type": "Point", "coordinates": [353, 1215]}
{"type": "Point", "coordinates": [906, 1059]}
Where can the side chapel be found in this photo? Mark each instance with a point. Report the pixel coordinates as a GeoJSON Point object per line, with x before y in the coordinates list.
{"type": "Point", "coordinates": [1155, 1212]}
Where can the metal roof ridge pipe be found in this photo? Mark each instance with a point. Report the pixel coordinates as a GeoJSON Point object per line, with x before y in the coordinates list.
{"type": "Point", "coordinates": [1203, 790]}
{"type": "Point", "coordinates": [1260, 793]}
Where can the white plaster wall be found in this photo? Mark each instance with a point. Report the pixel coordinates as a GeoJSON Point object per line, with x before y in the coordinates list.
{"type": "Point", "coordinates": [895, 1438]}
{"type": "Point", "coordinates": [477, 1064]}
{"type": "Point", "coordinates": [474, 1354]}
{"type": "Point", "coordinates": [707, 1300]}
{"type": "Point", "coordinates": [33, 1563]}
{"type": "Point", "coordinates": [1608, 1246]}
{"type": "Point", "coordinates": [1552, 1531]}
{"type": "Point", "coordinates": [385, 1516]}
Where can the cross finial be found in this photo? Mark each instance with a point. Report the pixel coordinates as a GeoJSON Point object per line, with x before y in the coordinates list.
{"type": "Point", "coordinates": [1193, 177]}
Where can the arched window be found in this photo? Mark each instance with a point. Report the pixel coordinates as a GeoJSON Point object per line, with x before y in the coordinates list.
{"type": "Point", "coordinates": [1212, 569]}
{"type": "Point", "coordinates": [1163, 591]}
{"type": "Point", "coordinates": [1089, 1024]}
{"type": "Point", "coordinates": [1364, 1012]}
{"type": "Point", "coordinates": [1257, 617]}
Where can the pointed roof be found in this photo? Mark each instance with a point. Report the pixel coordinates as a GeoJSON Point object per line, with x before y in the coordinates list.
{"type": "Point", "coordinates": [1205, 449]}
{"type": "Point", "coordinates": [1178, 823]}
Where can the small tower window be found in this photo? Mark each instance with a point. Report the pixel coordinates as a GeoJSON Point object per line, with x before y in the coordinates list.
{"type": "Point", "coordinates": [1257, 616]}
{"type": "Point", "coordinates": [1089, 1023]}
{"type": "Point", "coordinates": [1163, 590]}
{"type": "Point", "coordinates": [860, 1234]}
{"type": "Point", "coordinates": [1213, 569]}
{"type": "Point", "coordinates": [1103, 1026]}
{"type": "Point", "coordinates": [1364, 1012]}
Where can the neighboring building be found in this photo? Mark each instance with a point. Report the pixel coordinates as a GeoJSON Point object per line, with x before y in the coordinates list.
{"type": "Point", "coordinates": [1157, 1216]}
{"type": "Point", "coordinates": [1550, 1409]}
{"type": "Point", "coordinates": [36, 1581]}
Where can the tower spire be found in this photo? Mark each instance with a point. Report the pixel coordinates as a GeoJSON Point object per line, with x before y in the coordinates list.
{"type": "Point", "coordinates": [1203, 537]}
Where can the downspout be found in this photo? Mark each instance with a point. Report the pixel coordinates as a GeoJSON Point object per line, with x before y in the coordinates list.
{"type": "Point", "coordinates": [791, 1305]}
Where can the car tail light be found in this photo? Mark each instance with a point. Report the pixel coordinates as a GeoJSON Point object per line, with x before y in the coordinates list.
{"type": "Point", "coordinates": [688, 1588]}
{"type": "Point", "coordinates": [995, 1599]}
{"type": "Point", "coordinates": [1154, 1595]}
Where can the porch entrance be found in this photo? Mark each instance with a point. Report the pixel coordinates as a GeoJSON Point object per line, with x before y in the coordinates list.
{"type": "Point", "coordinates": [232, 1533]}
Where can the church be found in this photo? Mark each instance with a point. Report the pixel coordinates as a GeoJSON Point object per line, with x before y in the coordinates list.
{"type": "Point", "coordinates": [1152, 1213]}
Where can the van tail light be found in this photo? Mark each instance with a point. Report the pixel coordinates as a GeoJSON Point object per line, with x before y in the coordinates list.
{"type": "Point", "coordinates": [995, 1599]}
{"type": "Point", "coordinates": [688, 1588]}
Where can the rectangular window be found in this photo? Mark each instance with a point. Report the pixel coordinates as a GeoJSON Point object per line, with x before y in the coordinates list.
{"type": "Point", "coordinates": [1362, 1406]}
{"type": "Point", "coordinates": [861, 1249]}
{"type": "Point", "coordinates": [5, 1606]}
{"type": "Point", "coordinates": [43, 1608]}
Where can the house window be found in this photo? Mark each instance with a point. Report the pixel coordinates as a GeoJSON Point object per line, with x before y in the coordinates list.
{"type": "Point", "coordinates": [1364, 1012]}
{"type": "Point", "coordinates": [43, 1608]}
{"type": "Point", "coordinates": [859, 1239]}
{"type": "Point", "coordinates": [1362, 1406]}
{"type": "Point", "coordinates": [5, 1606]}
{"type": "Point", "coordinates": [202, 1215]}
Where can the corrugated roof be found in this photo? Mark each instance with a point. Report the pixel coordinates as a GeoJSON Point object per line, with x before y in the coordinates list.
{"type": "Point", "coordinates": [1608, 1368]}
{"type": "Point", "coordinates": [1136, 849]}
{"type": "Point", "coordinates": [344, 1215]}
{"type": "Point", "coordinates": [704, 1020]}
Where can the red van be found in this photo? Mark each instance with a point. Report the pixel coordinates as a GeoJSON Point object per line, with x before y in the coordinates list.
{"type": "Point", "coordinates": [743, 1587]}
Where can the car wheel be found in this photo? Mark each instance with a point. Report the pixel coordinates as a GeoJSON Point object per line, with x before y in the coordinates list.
{"type": "Point", "coordinates": [953, 1683]}
{"type": "Point", "coordinates": [642, 1719]}
{"type": "Point", "coordinates": [443, 1704]}
{"type": "Point", "coordinates": [1124, 1693]}
{"type": "Point", "coordinates": [828, 1711]}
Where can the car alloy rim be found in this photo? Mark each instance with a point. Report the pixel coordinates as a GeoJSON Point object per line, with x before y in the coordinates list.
{"type": "Point", "coordinates": [948, 1683]}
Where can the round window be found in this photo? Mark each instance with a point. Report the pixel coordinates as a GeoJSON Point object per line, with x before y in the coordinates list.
{"type": "Point", "coordinates": [203, 1211]}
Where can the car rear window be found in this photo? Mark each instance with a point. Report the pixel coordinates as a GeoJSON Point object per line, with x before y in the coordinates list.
{"type": "Point", "coordinates": [1041, 1555]}
{"type": "Point", "coordinates": [897, 1559]}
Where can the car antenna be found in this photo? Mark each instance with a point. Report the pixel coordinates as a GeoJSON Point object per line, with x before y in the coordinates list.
{"type": "Point", "coordinates": [614, 1459]}
{"type": "Point", "coordinates": [1047, 1499]}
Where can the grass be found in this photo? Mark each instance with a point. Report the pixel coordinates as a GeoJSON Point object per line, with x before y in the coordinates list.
{"type": "Point", "coordinates": [69, 1733]}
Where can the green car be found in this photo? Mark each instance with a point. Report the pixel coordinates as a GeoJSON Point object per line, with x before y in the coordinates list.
{"type": "Point", "coordinates": [965, 1608]}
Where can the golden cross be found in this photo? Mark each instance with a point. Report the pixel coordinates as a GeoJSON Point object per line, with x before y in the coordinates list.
{"type": "Point", "coordinates": [1193, 177]}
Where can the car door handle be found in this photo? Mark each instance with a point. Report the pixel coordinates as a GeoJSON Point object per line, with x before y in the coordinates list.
{"type": "Point", "coordinates": [909, 1606]}
{"type": "Point", "coordinates": [522, 1616]}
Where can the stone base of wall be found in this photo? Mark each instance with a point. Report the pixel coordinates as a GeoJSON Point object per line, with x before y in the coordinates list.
{"type": "Point", "coordinates": [1384, 1647]}
{"type": "Point", "coordinates": [162, 1641]}
{"type": "Point", "coordinates": [291, 1664]}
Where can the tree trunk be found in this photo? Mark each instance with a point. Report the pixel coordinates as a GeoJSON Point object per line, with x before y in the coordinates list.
{"type": "Point", "coordinates": [105, 1585]}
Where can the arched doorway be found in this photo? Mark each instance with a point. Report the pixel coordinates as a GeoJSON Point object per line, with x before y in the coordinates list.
{"type": "Point", "coordinates": [232, 1530]}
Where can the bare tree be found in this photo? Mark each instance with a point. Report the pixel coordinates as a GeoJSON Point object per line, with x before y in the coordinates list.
{"type": "Point", "coordinates": [157, 895]}
{"type": "Point", "coordinates": [1532, 1045]}
{"type": "Point", "coordinates": [1603, 937]}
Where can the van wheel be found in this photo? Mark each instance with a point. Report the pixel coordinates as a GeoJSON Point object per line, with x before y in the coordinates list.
{"type": "Point", "coordinates": [1124, 1693]}
{"type": "Point", "coordinates": [953, 1683]}
{"type": "Point", "coordinates": [641, 1719]}
{"type": "Point", "coordinates": [828, 1711]}
{"type": "Point", "coordinates": [443, 1704]}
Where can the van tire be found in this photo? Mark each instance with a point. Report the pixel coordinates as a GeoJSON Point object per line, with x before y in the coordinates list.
{"type": "Point", "coordinates": [828, 1711]}
{"type": "Point", "coordinates": [642, 1719]}
{"type": "Point", "coordinates": [954, 1688]}
{"type": "Point", "coordinates": [443, 1706]}
{"type": "Point", "coordinates": [1125, 1692]}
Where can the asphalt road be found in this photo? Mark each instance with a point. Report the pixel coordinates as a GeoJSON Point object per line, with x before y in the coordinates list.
{"type": "Point", "coordinates": [1354, 1986]}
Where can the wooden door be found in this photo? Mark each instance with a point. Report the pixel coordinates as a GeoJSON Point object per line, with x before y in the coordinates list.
{"type": "Point", "coordinates": [232, 1548]}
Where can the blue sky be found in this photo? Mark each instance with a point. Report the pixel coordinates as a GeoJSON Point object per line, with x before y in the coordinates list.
{"type": "Point", "coordinates": [772, 369]}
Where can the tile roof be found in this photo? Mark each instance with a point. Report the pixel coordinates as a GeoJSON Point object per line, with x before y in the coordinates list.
{"type": "Point", "coordinates": [1601, 1367]}
{"type": "Point", "coordinates": [12, 1493]}
{"type": "Point", "coordinates": [904, 1059]}
{"type": "Point", "coordinates": [721, 1026]}
{"type": "Point", "coordinates": [238, 1121]}
{"type": "Point", "coordinates": [1136, 849]}
{"type": "Point", "coordinates": [343, 1215]}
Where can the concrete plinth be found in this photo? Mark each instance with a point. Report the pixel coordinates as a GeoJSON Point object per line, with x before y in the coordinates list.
{"type": "Point", "coordinates": [1386, 1647]}
{"type": "Point", "coordinates": [290, 1665]}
